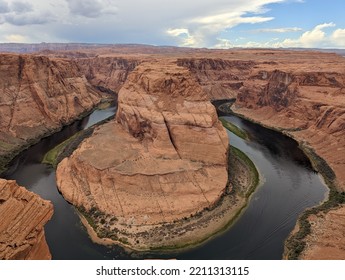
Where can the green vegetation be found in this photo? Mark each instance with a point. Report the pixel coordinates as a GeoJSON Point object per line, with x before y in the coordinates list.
{"type": "Point", "coordinates": [235, 153]}
{"type": "Point", "coordinates": [53, 154]}
{"type": "Point", "coordinates": [105, 105]}
{"type": "Point", "coordinates": [319, 164]}
{"type": "Point", "coordinates": [100, 222]}
{"type": "Point", "coordinates": [235, 158]}
{"type": "Point", "coordinates": [66, 148]}
{"type": "Point", "coordinates": [234, 129]}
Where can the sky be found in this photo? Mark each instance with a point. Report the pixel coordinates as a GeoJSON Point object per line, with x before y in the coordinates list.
{"type": "Point", "coordinates": [188, 23]}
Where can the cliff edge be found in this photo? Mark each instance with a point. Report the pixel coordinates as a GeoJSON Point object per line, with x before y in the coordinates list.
{"type": "Point", "coordinates": [39, 95]}
{"type": "Point", "coordinates": [23, 216]}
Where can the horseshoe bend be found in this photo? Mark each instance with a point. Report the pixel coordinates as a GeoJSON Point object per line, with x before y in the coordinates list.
{"type": "Point", "coordinates": [159, 174]}
{"type": "Point", "coordinates": [163, 158]}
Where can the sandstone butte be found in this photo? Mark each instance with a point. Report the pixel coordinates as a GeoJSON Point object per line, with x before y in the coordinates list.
{"type": "Point", "coordinates": [23, 216]}
{"type": "Point", "coordinates": [300, 93]}
{"type": "Point", "coordinates": [163, 158]}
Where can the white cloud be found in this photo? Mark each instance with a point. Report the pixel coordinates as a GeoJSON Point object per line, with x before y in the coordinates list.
{"type": "Point", "coordinates": [338, 38]}
{"type": "Point", "coordinates": [204, 30]}
{"type": "Point", "coordinates": [314, 37]}
{"type": "Point", "coordinates": [277, 30]}
{"type": "Point", "coordinates": [178, 32]}
{"type": "Point", "coordinates": [201, 23]}
{"type": "Point", "coordinates": [223, 44]}
{"type": "Point", "coordinates": [317, 37]}
{"type": "Point", "coordinates": [16, 38]}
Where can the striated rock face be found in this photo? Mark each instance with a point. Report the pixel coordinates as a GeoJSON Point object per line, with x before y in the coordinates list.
{"type": "Point", "coordinates": [23, 216]}
{"type": "Point", "coordinates": [39, 95]}
{"type": "Point", "coordinates": [106, 72]}
{"type": "Point", "coordinates": [309, 106]}
{"type": "Point", "coordinates": [162, 159]}
{"type": "Point", "coordinates": [220, 78]}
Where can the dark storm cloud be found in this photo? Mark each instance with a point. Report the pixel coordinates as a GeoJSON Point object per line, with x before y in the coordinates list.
{"type": "Point", "coordinates": [28, 19]}
{"type": "Point", "coordinates": [89, 8]}
{"type": "Point", "coordinates": [21, 7]}
{"type": "Point", "coordinates": [4, 7]}
{"type": "Point", "coordinates": [20, 13]}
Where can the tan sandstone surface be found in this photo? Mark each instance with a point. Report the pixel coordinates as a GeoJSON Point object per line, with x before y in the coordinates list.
{"type": "Point", "coordinates": [38, 95]}
{"type": "Point", "coordinates": [163, 158]}
{"type": "Point", "coordinates": [23, 216]}
{"type": "Point", "coordinates": [326, 241]}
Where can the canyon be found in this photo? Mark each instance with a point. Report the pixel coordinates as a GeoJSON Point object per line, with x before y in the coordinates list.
{"type": "Point", "coordinates": [166, 134]}
{"type": "Point", "coordinates": [162, 159]}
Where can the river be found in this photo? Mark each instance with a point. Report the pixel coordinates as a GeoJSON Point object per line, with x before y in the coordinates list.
{"type": "Point", "coordinates": [289, 186]}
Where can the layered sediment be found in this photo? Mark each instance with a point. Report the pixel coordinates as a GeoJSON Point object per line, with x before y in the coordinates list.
{"type": "Point", "coordinates": [163, 159]}
{"type": "Point", "coordinates": [107, 73]}
{"type": "Point", "coordinates": [39, 95]}
{"type": "Point", "coordinates": [23, 216]}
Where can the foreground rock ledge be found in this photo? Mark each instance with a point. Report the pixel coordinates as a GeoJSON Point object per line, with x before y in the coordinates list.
{"type": "Point", "coordinates": [163, 159]}
{"type": "Point", "coordinates": [23, 216]}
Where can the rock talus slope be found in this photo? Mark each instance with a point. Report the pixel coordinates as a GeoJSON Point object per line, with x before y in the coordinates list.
{"type": "Point", "coordinates": [23, 216]}
{"type": "Point", "coordinates": [162, 159]}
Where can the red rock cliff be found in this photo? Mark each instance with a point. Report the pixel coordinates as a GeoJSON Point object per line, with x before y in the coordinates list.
{"type": "Point", "coordinates": [23, 216]}
{"type": "Point", "coordinates": [39, 95]}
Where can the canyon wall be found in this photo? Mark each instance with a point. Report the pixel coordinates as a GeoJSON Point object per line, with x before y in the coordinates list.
{"type": "Point", "coordinates": [23, 216]}
{"type": "Point", "coordinates": [306, 105]}
{"type": "Point", "coordinates": [107, 73]}
{"type": "Point", "coordinates": [220, 78]}
{"type": "Point", "coordinates": [163, 158]}
{"type": "Point", "coordinates": [39, 95]}
{"type": "Point", "coordinates": [299, 93]}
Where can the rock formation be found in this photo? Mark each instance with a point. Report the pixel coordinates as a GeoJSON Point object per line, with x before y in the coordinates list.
{"type": "Point", "coordinates": [23, 216]}
{"type": "Point", "coordinates": [220, 78]}
{"type": "Point", "coordinates": [163, 158]}
{"type": "Point", "coordinates": [300, 93]}
{"type": "Point", "coordinates": [308, 106]}
{"type": "Point", "coordinates": [38, 96]}
{"type": "Point", "coordinates": [107, 73]}
{"type": "Point", "coordinates": [326, 241]}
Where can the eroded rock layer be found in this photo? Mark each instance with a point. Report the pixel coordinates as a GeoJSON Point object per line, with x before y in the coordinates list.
{"type": "Point", "coordinates": [310, 106]}
{"type": "Point", "coordinates": [107, 73]}
{"type": "Point", "coordinates": [162, 159]}
{"type": "Point", "coordinates": [326, 241]}
{"type": "Point", "coordinates": [39, 95]}
{"type": "Point", "coordinates": [23, 216]}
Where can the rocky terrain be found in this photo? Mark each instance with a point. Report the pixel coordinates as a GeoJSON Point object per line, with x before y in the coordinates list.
{"type": "Point", "coordinates": [39, 95]}
{"type": "Point", "coordinates": [164, 158]}
{"type": "Point", "coordinates": [165, 125]}
{"type": "Point", "coordinates": [23, 215]}
{"type": "Point", "coordinates": [326, 240]}
{"type": "Point", "coordinates": [107, 73]}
